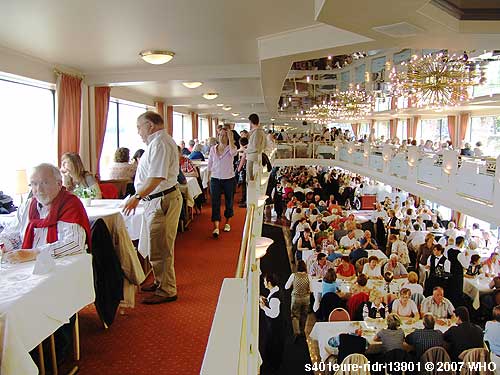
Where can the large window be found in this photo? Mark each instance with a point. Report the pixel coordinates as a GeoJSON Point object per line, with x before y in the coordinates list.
{"type": "Point", "coordinates": [27, 123]}
{"type": "Point", "coordinates": [121, 131]}
{"type": "Point", "coordinates": [382, 129]}
{"type": "Point", "coordinates": [182, 128]}
{"type": "Point", "coordinates": [486, 130]}
{"type": "Point", "coordinates": [435, 130]}
{"type": "Point", "coordinates": [202, 128]}
{"type": "Point", "coordinates": [402, 131]}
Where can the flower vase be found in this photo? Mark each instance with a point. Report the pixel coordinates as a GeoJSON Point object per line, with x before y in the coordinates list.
{"type": "Point", "coordinates": [87, 202]}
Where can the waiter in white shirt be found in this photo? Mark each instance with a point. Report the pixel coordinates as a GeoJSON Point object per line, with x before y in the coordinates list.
{"type": "Point", "coordinates": [156, 184]}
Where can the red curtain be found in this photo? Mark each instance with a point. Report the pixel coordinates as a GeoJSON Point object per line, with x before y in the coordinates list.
{"type": "Point", "coordinates": [463, 125]}
{"type": "Point", "coordinates": [194, 124]}
{"type": "Point", "coordinates": [160, 109]}
{"type": "Point", "coordinates": [69, 113]}
{"type": "Point", "coordinates": [393, 128]}
{"type": "Point", "coordinates": [452, 129]}
{"type": "Point", "coordinates": [355, 128]}
{"type": "Point", "coordinates": [210, 126]}
{"type": "Point", "coordinates": [101, 100]}
{"type": "Point", "coordinates": [408, 128]}
{"type": "Point", "coordinates": [414, 121]}
{"type": "Point", "coordinates": [170, 120]}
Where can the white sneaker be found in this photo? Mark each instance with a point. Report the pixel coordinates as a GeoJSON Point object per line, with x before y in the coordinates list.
{"type": "Point", "coordinates": [215, 233]}
{"type": "Point", "coordinates": [227, 228]}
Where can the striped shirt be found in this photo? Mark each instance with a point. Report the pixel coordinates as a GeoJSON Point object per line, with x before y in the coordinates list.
{"type": "Point", "coordinates": [71, 236]}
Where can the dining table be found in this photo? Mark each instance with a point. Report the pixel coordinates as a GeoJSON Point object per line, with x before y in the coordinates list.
{"type": "Point", "coordinates": [324, 331]}
{"type": "Point", "coordinates": [34, 306]}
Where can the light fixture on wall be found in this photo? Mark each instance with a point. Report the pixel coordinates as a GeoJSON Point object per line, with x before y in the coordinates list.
{"type": "Point", "coordinates": [192, 85]}
{"type": "Point", "coordinates": [261, 246]}
{"type": "Point", "coordinates": [210, 95]}
{"type": "Point", "coordinates": [157, 57]}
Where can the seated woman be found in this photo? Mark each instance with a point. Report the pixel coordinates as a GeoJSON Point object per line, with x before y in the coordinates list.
{"type": "Point", "coordinates": [346, 270]}
{"type": "Point", "coordinates": [372, 268]}
{"type": "Point", "coordinates": [404, 306]}
{"type": "Point", "coordinates": [330, 240]}
{"type": "Point", "coordinates": [121, 169]}
{"type": "Point", "coordinates": [196, 154]}
{"type": "Point", "coordinates": [329, 284]}
{"type": "Point", "coordinates": [375, 308]}
{"type": "Point", "coordinates": [74, 174]}
{"type": "Point", "coordinates": [492, 265]}
{"type": "Point", "coordinates": [475, 267]}
{"type": "Point", "coordinates": [393, 336]}
{"type": "Point", "coordinates": [186, 165]}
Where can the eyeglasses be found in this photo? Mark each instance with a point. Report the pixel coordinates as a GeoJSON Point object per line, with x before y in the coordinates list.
{"type": "Point", "coordinates": [40, 184]}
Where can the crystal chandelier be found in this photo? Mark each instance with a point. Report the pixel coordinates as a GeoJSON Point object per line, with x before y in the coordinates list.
{"type": "Point", "coordinates": [436, 81]}
{"type": "Point", "coordinates": [351, 105]}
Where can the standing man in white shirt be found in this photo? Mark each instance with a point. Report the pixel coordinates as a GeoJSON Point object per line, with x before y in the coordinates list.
{"type": "Point", "coordinates": [349, 241]}
{"type": "Point", "coordinates": [156, 184]}
{"type": "Point", "coordinates": [256, 144]}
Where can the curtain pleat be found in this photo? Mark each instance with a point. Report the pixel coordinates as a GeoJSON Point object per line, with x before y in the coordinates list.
{"type": "Point", "coordinates": [452, 129]}
{"type": "Point", "coordinates": [69, 113]}
{"type": "Point", "coordinates": [170, 120]}
{"type": "Point", "coordinates": [194, 124]}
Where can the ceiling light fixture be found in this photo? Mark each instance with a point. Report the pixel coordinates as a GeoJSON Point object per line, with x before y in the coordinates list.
{"type": "Point", "coordinates": [210, 95]}
{"type": "Point", "coordinates": [273, 119]}
{"type": "Point", "coordinates": [157, 57]}
{"type": "Point", "coordinates": [220, 105]}
{"type": "Point", "coordinates": [227, 108]}
{"type": "Point", "coordinates": [235, 114]}
{"type": "Point", "coordinates": [192, 85]}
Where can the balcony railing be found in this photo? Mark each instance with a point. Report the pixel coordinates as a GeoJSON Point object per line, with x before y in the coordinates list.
{"type": "Point", "coordinates": [470, 185]}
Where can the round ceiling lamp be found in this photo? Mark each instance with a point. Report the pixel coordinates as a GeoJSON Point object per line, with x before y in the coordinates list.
{"type": "Point", "coordinates": [220, 105]}
{"type": "Point", "coordinates": [192, 85]}
{"type": "Point", "coordinates": [210, 95]}
{"type": "Point", "coordinates": [235, 114]}
{"type": "Point", "coordinates": [227, 108]}
{"type": "Point", "coordinates": [157, 57]}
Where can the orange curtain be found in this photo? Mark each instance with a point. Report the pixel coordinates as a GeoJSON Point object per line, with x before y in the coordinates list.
{"type": "Point", "coordinates": [408, 128]}
{"type": "Point", "coordinates": [393, 128]}
{"type": "Point", "coordinates": [355, 128]}
{"type": "Point", "coordinates": [394, 102]}
{"type": "Point", "coordinates": [69, 113]}
{"type": "Point", "coordinates": [463, 125]}
{"type": "Point", "coordinates": [160, 108]}
{"type": "Point", "coordinates": [194, 124]}
{"type": "Point", "coordinates": [414, 128]}
{"type": "Point", "coordinates": [101, 99]}
{"type": "Point", "coordinates": [210, 125]}
{"type": "Point", "coordinates": [170, 120]}
{"type": "Point", "coordinates": [452, 129]}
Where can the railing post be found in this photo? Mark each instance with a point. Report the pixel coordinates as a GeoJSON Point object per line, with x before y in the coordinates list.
{"type": "Point", "coordinates": [386, 158]}
{"type": "Point", "coordinates": [450, 167]}
{"type": "Point", "coordinates": [413, 156]}
{"type": "Point", "coordinates": [496, 187]}
{"type": "Point", "coordinates": [366, 154]}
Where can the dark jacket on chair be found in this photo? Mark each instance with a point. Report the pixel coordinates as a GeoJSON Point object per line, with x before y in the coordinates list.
{"type": "Point", "coordinates": [108, 275]}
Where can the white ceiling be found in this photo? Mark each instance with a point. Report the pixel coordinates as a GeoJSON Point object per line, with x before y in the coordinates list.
{"type": "Point", "coordinates": [241, 49]}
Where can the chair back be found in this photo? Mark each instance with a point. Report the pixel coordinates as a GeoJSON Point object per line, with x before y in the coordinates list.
{"type": "Point", "coordinates": [397, 356]}
{"type": "Point", "coordinates": [339, 315]}
{"type": "Point", "coordinates": [476, 362]}
{"type": "Point", "coordinates": [360, 360]}
{"type": "Point", "coordinates": [354, 302]}
{"type": "Point", "coordinates": [350, 344]}
{"type": "Point", "coordinates": [435, 355]}
{"type": "Point", "coordinates": [360, 264]}
{"type": "Point", "coordinates": [418, 298]}
{"type": "Point", "coordinates": [329, 301]}
{"type": "Point", "coordinates": [109, 191]}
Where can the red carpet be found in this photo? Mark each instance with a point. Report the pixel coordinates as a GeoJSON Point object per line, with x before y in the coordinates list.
{"type": "Point", "coordinates": [168, 338]}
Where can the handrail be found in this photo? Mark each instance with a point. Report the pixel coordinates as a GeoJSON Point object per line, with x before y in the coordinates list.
{"type": "Point", "coordinates": [245, 242]}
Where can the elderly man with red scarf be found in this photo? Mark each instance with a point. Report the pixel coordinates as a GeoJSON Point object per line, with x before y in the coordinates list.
{"type": "Point", "coordinates": [53, 221]}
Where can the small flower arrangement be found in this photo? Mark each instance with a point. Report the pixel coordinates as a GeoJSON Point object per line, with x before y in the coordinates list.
{"type": "Point", "coordinates": [84, 192]}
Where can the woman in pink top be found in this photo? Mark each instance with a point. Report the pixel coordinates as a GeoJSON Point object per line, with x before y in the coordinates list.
{"type": "Point", "coordinates": [222, 178]}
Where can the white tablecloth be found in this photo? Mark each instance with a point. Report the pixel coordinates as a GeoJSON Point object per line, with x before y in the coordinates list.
{"type": "Point", "coordinates": [475, 287]}
{"type": "Point", "coordinates": [323, 331]}
{"type": "Point", "coordinates": [191, 190]}
{"type": "Point", "coordinates": [204, 176]}
{"type": "Point", "coordinates": [35, 306]}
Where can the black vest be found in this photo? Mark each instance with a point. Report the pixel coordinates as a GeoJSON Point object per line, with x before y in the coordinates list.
{"type": "Point", "coordinates": [438, 270]}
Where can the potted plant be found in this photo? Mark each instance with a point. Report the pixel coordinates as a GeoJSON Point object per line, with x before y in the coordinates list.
{"type": "Point", "coordinates": [85, 194]}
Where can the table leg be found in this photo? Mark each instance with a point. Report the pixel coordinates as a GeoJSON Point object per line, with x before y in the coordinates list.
{"type": "Point", "coordinates": [53, 355]}
{"type": "Point", "coordinates": [41, 358]}
{"type": "Point", "coordinates": [76, 339]}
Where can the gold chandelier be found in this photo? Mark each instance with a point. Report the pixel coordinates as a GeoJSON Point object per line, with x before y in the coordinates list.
{"type": "Point", "coordinates": [351, 105]}
{"type": "Point", "coordinates": [436, 81]}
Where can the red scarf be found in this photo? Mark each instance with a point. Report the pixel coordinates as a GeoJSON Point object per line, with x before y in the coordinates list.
{"type": "Point", "coordinates": [65, 207]}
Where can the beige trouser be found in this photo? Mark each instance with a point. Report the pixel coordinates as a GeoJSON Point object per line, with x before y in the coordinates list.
{"type": "Point", "coordinates": [163, 231]}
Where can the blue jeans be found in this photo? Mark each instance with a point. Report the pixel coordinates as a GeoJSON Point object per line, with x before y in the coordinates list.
{"type": "Point", "coordinates": [217, 187]}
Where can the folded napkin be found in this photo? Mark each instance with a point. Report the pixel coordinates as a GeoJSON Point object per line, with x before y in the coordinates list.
{"type": "Point", "coordinates": [44, 263]}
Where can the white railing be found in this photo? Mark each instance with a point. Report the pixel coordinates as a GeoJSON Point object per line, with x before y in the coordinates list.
{"type": "Point", "coordinates": [233, 345]}
{"type": "Point", "coordinates": [469, 185]}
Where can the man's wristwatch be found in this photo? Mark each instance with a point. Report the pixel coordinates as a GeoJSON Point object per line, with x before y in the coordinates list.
{"type": "Point", "coordinates": [138, 197]}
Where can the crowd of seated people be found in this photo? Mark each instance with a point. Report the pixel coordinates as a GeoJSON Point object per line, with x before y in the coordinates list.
{"type": "Point", "coordinates": [428, 259]}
